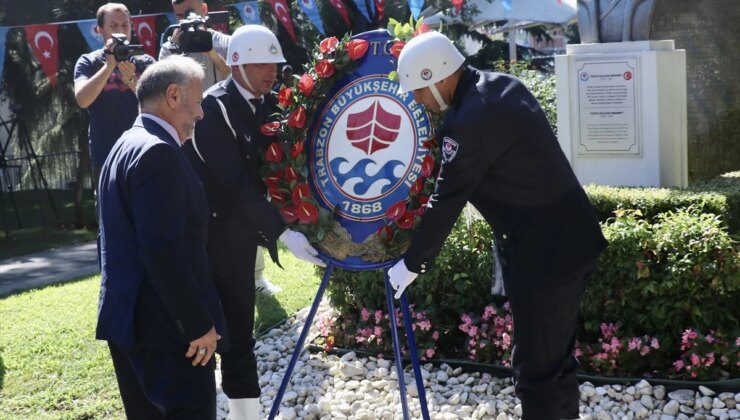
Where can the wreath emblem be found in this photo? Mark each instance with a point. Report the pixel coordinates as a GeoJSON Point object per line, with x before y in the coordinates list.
{"type": "Point", "coordinates": [285, 168]}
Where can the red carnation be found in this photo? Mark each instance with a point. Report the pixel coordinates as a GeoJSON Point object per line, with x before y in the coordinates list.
{"type": "Point", "coordinates": [285, 97]}
{"type": "Point", "coordinates": [297, 118]}
{"type": "Point", "coordinates": [270, 129]}
{"type": "Point", "coordinates": [274, 178]}
{"type": "Point", "coordinates": [420, 29]}
{"type": "Point", "coordinates": [274, 152]}
{"type": "Point", "coordinates": [385, 234]}
{"type": "Point", "coordinates": [417, 186]}
{"type": "Point", "coordinates": [324, 69]}
{"type": "Point", "coordinates": [276, 196]}
{"type": "Point", "coordinates": [289, 213]}
{"type": "Point", "coordinates": [395, 211]}
{"type": "Point", "coordinates": [406, 221]}
{"type": "Point", "coordinates": [356, 48]}
{"type": "Point", "coordinates": [300, 192]}
{"type": "Point", "coordinates": [297, 148]}
{"type": "Point", "coordinates": [427, 166]}
{"type": "Point", "coordinates": [430, 143]}
{"type": "Point", "coordinates": [307, 213]}
{"type": "Point", "coordinates": [305, 84]}
{"type": "Point", "coordinates": [327, 45]}
{"type": "Point", "coordinates": [396, 48]}
{"type": "Point", "coordinates": [423, 200]}
{"type": "Point", "coordinates": [290, 174]}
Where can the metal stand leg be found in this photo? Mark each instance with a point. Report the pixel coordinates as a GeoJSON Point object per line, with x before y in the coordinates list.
{"type": "Point", "coordinates": [301, 340]}
{"type": "Point", "coordinates": [407, 324]}
{"type": "Point", "coordinates": [396, 346]}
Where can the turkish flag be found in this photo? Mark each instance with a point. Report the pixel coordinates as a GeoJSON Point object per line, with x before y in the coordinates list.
{"type": "Point", "coordinates": [43, 41]}
{"type": "Point", "coordinates": [458, 5]}
{"type": "Point", "coordinates": [341, 9]}
{"type": "Point", "coordinates": [380, 8]}
{"type": "Point", "coordinates": [282, 12]}
{"type": "Point", "coordinates": [145, 26]}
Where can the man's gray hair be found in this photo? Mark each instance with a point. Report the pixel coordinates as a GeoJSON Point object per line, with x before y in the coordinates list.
{"type": "Point", "coordinates": [157, 77]}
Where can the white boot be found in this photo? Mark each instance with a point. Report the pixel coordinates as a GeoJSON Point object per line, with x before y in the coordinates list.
{"type": "Point", "coordinates": [244, 409]}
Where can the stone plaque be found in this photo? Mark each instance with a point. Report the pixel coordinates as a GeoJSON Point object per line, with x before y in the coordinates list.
{"type": "Point", "coordinates": [608, 102]}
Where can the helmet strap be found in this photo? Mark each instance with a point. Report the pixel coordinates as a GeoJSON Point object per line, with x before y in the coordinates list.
{"type": "Point", "coordinates": [246, 80]}
{"type": "Point", "coordinates": [438, 97]}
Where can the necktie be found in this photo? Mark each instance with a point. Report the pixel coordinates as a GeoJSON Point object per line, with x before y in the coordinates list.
{"type": "Point", "coordinates": [259, 109]}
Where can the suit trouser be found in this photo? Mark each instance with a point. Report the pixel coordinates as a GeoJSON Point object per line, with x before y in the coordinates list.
{"type": "Point", "coordinates": [157, 384]}
{"type": "Point", "coordinates": [545, 319]}
{"type": "Point", "coordinates": [232, 249]}
{"type": "Point", "coordinates": [259, 263]}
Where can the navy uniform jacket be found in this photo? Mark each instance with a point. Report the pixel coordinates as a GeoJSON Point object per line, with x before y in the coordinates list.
{"type": "Point", "coordinates": [156, 290]}
{"type": "Point", "coordinates": [229, 167]}
{"type": "Point", "coordinates": [500, 155]}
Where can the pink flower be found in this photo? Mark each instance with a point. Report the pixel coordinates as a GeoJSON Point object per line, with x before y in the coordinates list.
{"type": "Point", "coordinates": [365, 314]}
{"type": "Point", "coordinates": [378, 316]}
{"type": "Point", "coordinates": [506, 341]}
{"type": "Point", "coordinates": [435, 335]}
{"type": "Point", "coordinates": [654, 343]}
{"type": "Point", "coordinates": [678, 364]}
{"type": "Point", "coordinates": [737, 341]}
{"type": "Point", "coordinates": [607, 330]}
{"type": "Point", "coordinates": [710, 338]}
{"type": "Point", "coordinates": [695, 360]}
{"type": "Point", "coordinates": [378, 331]}
{"type": "Point", "coordinates": [634, 344]}
{"type": "Point", "coordinates": [577, 352]}
{"type": "Point", "coordinates": [644, 350]}
{"type": "Point", "coordinates": [687, 338]}
{"type": "Point", "coordinates": [429, 353]}
{"type": "Point", "coordinates": [489, 312]}
{"type": "Point", "coordinates": [709, 361]}
{"type": "Point", "coordinates": [473, 331]}
{"type": "Point", "coordinates": [424, 325]}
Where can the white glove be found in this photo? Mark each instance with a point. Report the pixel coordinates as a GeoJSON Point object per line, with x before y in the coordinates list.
{"type": "Point", "coordinates": [299, 246]}
{"type": "Point", "coordinates": [400, 277]}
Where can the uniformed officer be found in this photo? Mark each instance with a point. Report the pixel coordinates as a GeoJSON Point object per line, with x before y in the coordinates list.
{"type": "Point", "coordinates": [499, 154]}
{"type": "Point", "coordinates": [226, 151]}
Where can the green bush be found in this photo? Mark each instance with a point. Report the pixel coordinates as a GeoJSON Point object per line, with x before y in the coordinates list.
{"type": "Point", "coordinates": [720, 196]}
{"type": "Point", "coordinates": [671, 266]}
{"type": "Point", "coordinates": [661, 278]}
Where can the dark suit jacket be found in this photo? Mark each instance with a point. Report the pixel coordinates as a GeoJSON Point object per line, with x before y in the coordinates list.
{"type": "Point", "coordinates": [229, 167]}
{"type": "Point", "coordinates": [503, 158]}
{"type": "Point", "coordinates": [156, 289]}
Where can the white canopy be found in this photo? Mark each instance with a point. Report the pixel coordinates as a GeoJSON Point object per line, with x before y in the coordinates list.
{"type": "Point", "coordinates": [518, 14]}
{"type": "Point", "coordinates": [521, 13]}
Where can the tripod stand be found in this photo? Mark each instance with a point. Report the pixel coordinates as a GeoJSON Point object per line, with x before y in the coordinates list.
{"type": "Point", "coordinates": [25, 146]}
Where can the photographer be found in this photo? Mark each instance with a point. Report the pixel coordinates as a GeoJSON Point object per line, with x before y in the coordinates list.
{"type": "Point", "coordinates": [212, 61]}
{"type": "Point", "coordinates": [105, 86]}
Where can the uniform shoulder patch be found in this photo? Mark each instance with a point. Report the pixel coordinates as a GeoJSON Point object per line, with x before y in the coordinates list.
{"type": "Point", "coordinates": [449, 149]}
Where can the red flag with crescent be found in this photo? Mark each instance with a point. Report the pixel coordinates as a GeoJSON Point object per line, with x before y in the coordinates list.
{"type": "Point", "coordinates": [145, 28]}
{"type": "Point", "coordinates": [380, 10]}
{"type": "Point", "coordinates": [282, 12]}
{"type": "Point", "coordinates": [341, 9]}
{"type": "Point", "coordinates": [43, 41]}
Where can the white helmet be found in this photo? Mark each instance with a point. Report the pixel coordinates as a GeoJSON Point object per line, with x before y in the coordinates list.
{"type": "Point", "coordinates": [254, 44]}
{"type": "Point", "coordinates": [427, 59]}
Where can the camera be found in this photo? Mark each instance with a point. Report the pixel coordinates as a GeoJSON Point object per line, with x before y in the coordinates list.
{"type": "Point", "coordinates": [194, 34]}
{"type": "Point", "coordinates": [123, 50]}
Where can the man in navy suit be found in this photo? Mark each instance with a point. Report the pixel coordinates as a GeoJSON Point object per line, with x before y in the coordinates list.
{"type": "Point", "coordinates": [158, 306]}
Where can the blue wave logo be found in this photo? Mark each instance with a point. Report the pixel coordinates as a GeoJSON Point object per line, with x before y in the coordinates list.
{"type": "Point", "coordinates": [367, 180]}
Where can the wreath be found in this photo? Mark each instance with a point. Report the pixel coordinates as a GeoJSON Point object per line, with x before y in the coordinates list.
{"type": "Point", "coordinates": [285, 169]}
